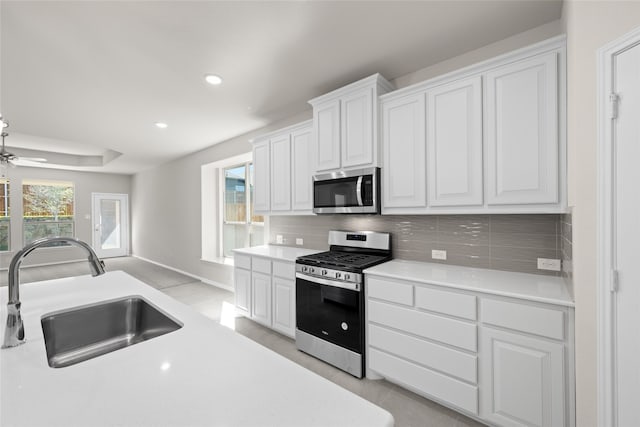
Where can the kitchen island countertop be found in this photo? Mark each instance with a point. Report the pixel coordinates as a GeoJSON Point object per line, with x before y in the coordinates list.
{"type": "Point", "coordinates": [203, 374]}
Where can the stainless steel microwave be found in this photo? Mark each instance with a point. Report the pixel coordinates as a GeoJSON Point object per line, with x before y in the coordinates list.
{"type": "Point", "coordinates": [353, 191]}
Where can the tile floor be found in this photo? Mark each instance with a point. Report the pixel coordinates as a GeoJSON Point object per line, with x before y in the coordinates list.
{"type": "Point", "coordinates": [408, 409]}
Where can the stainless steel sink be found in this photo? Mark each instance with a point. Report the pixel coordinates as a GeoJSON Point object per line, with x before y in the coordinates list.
{"type": "Point", "coordinates": [78, 334]}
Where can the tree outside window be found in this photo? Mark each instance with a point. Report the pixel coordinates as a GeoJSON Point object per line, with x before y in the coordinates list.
{"type": "Point", "coordinates": [5, 225]}
{"type": "Point", "coordinates": [48, 209]}
{"type": "Point", "coordinates": [241, 228]}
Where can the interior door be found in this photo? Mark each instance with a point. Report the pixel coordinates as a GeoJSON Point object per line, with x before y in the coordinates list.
{"type": "Point", "coordinates": [110, 215]}
{"type": "Point", "coordinates": [626, 234]}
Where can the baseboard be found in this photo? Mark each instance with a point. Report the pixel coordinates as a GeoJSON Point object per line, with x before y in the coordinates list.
{"type": "Point", "coordinates": [202, 279]}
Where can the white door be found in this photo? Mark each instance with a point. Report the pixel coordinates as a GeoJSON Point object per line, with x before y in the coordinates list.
{"type": "Point", "coordinates": [281, 173]}
{"type": "Point", "coordinates": [454, 143]}
{"type": "Point", "coordinates": [626, 145]}
{"type": "Point", "coordinates": [522, 132]}
{"type": "Point", "coordinates": [261, 180]}
{"type": "Point", "coordinates": [403, 145]}
{"type": "Point", "coordinates": [242, 281]}
{"type": "Point", "coordinates": [284, 306]}
{"type": "Point", "coordinates": [523, 380]}
{"type": "Point", "coordinates": [326, 136]}
{"type": "Point", "coordinates": [110, 214]}
{"type": "Point", "coordinates": [357, 128]}
{"type": "Point", "coordinates": [301, 185]}
{"type": "Point", "coordinates": [261, 298]}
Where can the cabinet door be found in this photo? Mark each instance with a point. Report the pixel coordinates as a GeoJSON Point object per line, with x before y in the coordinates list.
{"type": "Point", "coordinates": [403, 144]}
{"type": "Point", "coordinates": [326, 131]}
{"type": "Point", "coordinates": [522, 380]}
{"type": "Point", "coordinates": [454, 143]}
{"type": "Point", "coordinates": [261, 298]}
{"type": "Point", "coordinates": [301, 185]}
{"type": "Point", "coordinates": [284, 306]}
{"type": "Point", "coordinates": [261, 177]}
{"type": "Point", "coordinates": [522, 132]}
{"type": "Point", "coordinates": [280, 173]}
{"type": "Point", "coordinates": [357, 128]}
{"type": "Point", "coordinates": [242, 285]}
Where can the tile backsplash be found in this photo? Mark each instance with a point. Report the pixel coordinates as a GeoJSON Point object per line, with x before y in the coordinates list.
{"type": "Point", "coordinates": [566, 246]}
{"type": "Point", "coordinates": [502, 242]}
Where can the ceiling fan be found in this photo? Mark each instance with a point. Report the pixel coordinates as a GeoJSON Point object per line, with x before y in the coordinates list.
{"type": "Point", "coordinates": [10, 159]}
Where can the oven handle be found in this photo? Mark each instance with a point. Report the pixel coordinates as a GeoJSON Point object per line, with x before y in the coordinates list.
{"type": "Point", "coordinates": [334, 283]}
{"type": "Point", "coordinates": [359, 191]}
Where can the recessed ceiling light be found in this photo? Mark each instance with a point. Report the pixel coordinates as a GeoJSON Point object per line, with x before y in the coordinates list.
{"type": "Point", "coordinates": [213, 79]}
{"type": "Point", "coordinates": [161, 125]}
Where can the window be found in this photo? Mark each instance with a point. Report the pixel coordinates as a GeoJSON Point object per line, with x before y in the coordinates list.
{"type": "Point", "coordinates": [47, 209]}
{"type": "Point", "coordinates": [5, 226]}
{"type": "Point", "coordinates": [241, 228]}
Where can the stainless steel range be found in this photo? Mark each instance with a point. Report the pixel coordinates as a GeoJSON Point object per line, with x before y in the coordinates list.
{"type": "Point", "coordinates": [330, 297]}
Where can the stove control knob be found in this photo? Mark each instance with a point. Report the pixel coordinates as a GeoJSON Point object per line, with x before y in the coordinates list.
{"type": "Point", "coordinates": [324, 272]}
{"type": "Point", "coordinates": [304, 269]}
{"type": "Point", "coordinates": [312, 270]}
{"type": "Point", "coordinates": [347, 276]}
{"type": "Point", "coordinates": [338, 275]}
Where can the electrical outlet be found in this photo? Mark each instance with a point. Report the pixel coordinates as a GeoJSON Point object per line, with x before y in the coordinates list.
{"type": "Point", "coordinates": [279, 239]}
{"type": "Point", "coordinates": [549, 264]}
{"type": "Point", "coordinates": [437, 254]}
{"type": "Point", "coordinates": [299, 241]}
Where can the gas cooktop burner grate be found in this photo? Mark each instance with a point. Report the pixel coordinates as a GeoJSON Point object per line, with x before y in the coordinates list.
{"type": "Point", "coordinates": [342, 259]}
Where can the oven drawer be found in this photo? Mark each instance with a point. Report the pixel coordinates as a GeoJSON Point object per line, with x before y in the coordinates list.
{"type": "Point", "coordinates": [446, 330]}
{"type": "Point", "coordinates": [444, 359]}
{"type": "Point", "coordinates": [425, 381]}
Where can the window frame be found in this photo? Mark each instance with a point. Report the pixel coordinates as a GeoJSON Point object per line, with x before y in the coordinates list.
{"type": "Point", "coordinates": [248, 223]}
{"type": "Point", "coordinates": [6, 182]}
{"type": "Point", "coordinates": [50, 182]}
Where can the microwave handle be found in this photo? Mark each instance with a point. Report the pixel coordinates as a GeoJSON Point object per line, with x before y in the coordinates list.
{"type": "Point", "coordinates": [359, 190]}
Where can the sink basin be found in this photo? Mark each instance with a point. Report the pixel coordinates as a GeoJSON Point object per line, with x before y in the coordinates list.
{"type": "Point", "coordinates": [81, 333]}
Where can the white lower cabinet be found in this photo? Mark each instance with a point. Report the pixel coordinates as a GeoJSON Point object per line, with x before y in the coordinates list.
{"type": "Point", "coordinates": [284, 305]}
{"type": "Point", "coordinates": [265, 291]}
{"type": "Point", "coordinates": [504, 361]}
{"type": "Point", "coordinates": [242, 281]}
{"type": "Point", "coordinates": [523, 382]}
{"type": "Point", "coordinates": [261, 298]}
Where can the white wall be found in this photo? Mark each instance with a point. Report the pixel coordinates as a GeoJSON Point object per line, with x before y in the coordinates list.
{"type": "Point", "coordinates": [85, 183]}
{"type": "Point", "coordinates": [589, 25]}
{"type": "Point", "coordinates": [166, 200]}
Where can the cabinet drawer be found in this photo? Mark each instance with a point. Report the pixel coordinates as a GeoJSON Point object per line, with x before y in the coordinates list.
{"type": "Point", "coordinates": [242, 261]}
{"type": "Point", "coordinates": [261, 265]}
{"type": "Point", "coordinates": [451, 303]}
{"type": "Point", "coordinates": [391, 291]}
{"type": "Point", "coordinates": [444, 359]}
{"type": "Point", "coordinates": [450, 331]}
{"type": "Point", "coordinates": [286, 270]}
{"type": "Point", "coordinates": [546, 322]}
{"type": "Point", "coordinates": [425, 381]}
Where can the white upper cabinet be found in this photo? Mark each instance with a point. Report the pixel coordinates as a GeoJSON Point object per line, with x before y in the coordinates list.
{"type": "Point", "coordinates": [345, 126]}
{"type": "Point", "coordinates": [283, 171]}
{"type": "Point", "coordinates": [326, 128]}
{"type": "Point", "coordinates": [357, 128]}
{"type": "Point", "coordinates": [522, 132]}
{"type": "Point", "coordinates": [489, 138]}
{"type": "Point", "coordinates": [302, 186]}
{"type": "Point", "coordinates": [261, 176]}
{"type": "Point", "coordinates": [454, 143]}
{"type": "Point", "coordinates": [403, 135]}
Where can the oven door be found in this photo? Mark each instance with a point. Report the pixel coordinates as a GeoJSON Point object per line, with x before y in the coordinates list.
{"type": "Point", "coordinates": [330, 312]}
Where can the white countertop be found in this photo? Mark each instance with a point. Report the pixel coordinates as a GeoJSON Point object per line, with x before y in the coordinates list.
{"type": "Point", "coordinates": [212, 377]}
{"type": "Point", "coordinates": [532, 287]}
{"type": "Point", "coordinates": [285, 253]}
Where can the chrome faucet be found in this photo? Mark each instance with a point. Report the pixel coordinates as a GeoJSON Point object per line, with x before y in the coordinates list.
{"type": "Point", "coordinates": [14, 332]}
